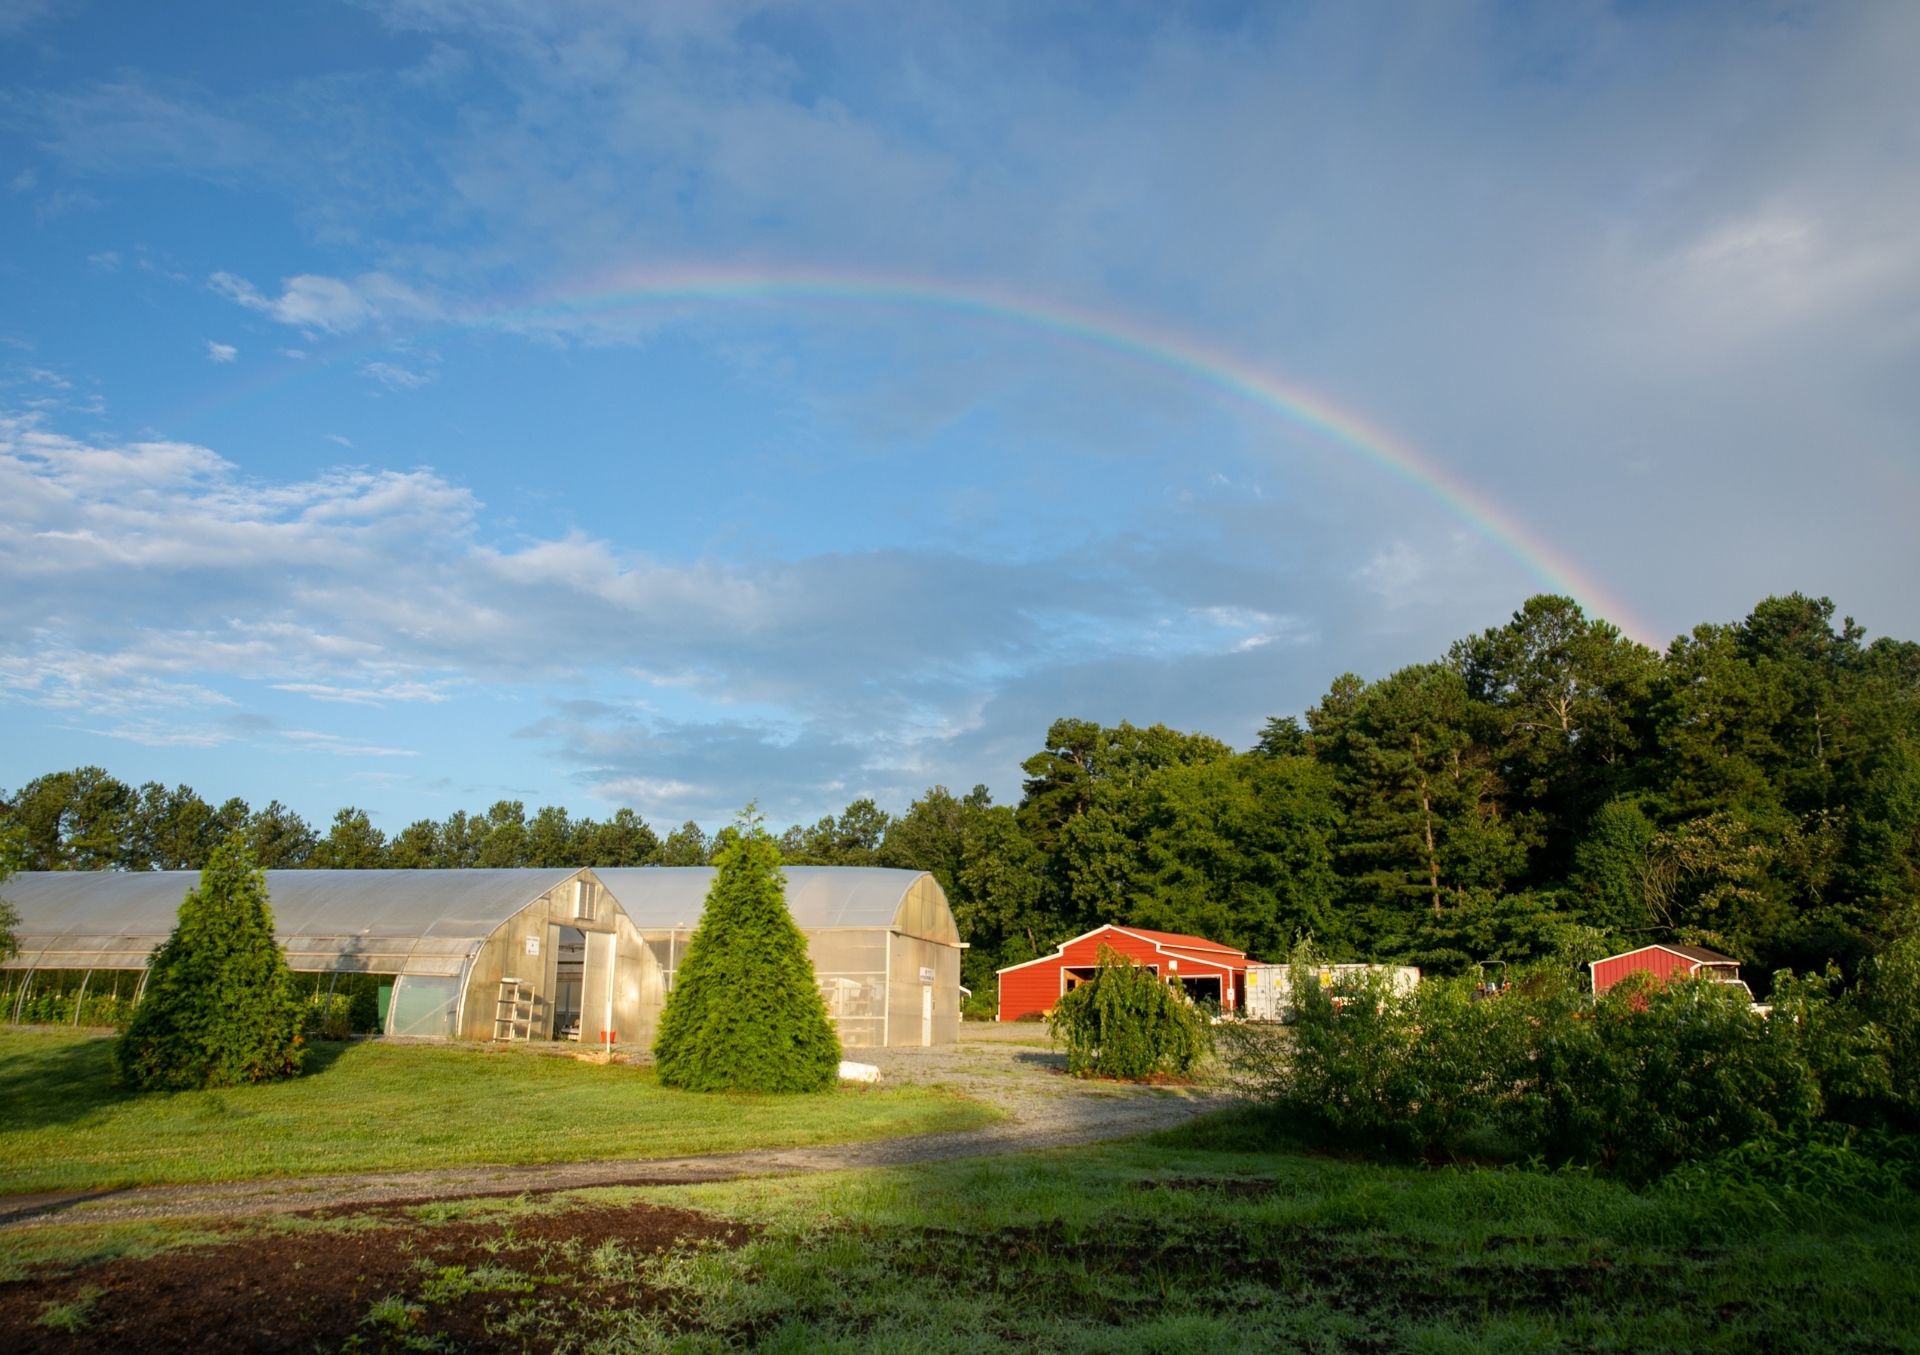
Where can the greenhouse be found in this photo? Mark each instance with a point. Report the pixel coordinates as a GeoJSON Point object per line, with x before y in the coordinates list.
{"type": "Point", "coordinates": [584, 955]}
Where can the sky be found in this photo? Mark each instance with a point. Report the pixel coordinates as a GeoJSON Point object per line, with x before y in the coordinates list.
{"type": "Point", "coordinates": [417, 404]}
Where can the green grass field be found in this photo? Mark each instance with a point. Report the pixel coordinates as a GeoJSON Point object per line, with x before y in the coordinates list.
{"type": "Point", "coordinates": [1162, 1245]}
{"type": "Point", "coordinates": [383, 1107]}
{"type": "Point", "coordinates": [1159, 1245]}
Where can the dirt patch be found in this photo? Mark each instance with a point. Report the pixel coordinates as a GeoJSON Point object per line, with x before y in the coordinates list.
{"type": "Point", "coordinates": [299, 1290]}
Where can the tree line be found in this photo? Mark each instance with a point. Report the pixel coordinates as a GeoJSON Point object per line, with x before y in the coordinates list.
{"type": "Point", "coordinates": [1545, 787]}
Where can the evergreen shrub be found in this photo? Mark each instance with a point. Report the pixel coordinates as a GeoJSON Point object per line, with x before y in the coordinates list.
{"type": "Point", "coordinates": [220, 1007]}
{"type": "Point", "coordinates": [745, 1013]}
{"type": "Point", "coordinates": [1125, 1023]}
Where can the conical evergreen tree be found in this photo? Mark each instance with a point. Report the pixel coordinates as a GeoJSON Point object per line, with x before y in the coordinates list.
{"type": "Point", "coordinates": [219, 1007]}
{"type": "Point", "coordinates": [745, 1013]}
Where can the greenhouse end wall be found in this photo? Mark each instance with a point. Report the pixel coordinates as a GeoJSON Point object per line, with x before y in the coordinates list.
{"type": "Point", "coordinates": [528, 947]}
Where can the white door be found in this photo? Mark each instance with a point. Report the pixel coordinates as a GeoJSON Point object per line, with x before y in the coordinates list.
{"type": "Point", "coordinates": [926, 1013]}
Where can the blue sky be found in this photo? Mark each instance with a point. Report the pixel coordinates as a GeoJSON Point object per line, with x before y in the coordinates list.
{"type": "Point", "coordinates": [308, 489]}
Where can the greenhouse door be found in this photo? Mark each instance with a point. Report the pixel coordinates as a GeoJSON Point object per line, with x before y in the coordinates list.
{"type": "Point", "coordinates": [926, 1013]}
{"type": "Point", "coordinates": [596, 991]}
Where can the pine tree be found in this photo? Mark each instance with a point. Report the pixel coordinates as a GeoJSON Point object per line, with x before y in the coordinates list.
{"type": "Point", "coordinates": [219, 1007]}
{"type": "Point", "coordinates": [745, 1013]}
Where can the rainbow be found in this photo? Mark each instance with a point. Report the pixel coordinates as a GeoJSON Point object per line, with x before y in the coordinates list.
{"type": "Point", "coordinates": [1160, 347]}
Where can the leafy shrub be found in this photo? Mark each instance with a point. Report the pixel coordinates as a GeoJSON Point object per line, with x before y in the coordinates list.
{"type": "Point", "coordinates": [981, 1005]}
{"type": "Point", "coordinates": [104, 998]}
{"type": "Point", "coordinates": [1891, 996]}
{"type": "Point", "coordinates": [219, 1007]}
{"type": "Point", "coordinates": [363, 1009]}
{"type": "Point", "coordinates": [1648, 1076]}
{"type": "Point", "coordinates": [1833, 1170]}
{"type": "Point", "coordinates": [327, 1016]}
{"type": "Point", "coordinates": [745, 1013]}
{"type": "Point", "coordinates": [1847, 1053]}
{"type": "Point", "coordinates": [1688, 1070]}
{"type": "Point", "coordinates": [1125, 1023]}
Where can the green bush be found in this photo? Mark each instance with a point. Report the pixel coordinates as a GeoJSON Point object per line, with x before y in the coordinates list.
{"type": "Point", "coordinates": [745, 1013]}
{"type": "Point", "coordinates": [1688, 1070]}
{"type": "Point", "coordinates": [1125, 1023]}
{"type": "Point", "coordinates": [105, 999]}
{"type": "Point", "coordinates": [363, 1008]}
{"type": "Point", "coordinates": [220, 1007]}
{"type": "Point", "coordinates": [1648, 1076]}
{"type": "Point", "coordinates": [327, 1016]}
{"type": "Point", "coordinates": [1892, 999]}
{"type": "Point", "coordinates": [981, 1005]}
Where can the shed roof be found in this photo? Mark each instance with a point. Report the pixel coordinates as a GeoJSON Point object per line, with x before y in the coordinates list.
{"type": "Point", "coordinates": [1698, 954]}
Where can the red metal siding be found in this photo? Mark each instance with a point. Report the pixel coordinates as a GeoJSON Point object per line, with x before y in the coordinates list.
{"type": "Point", "coordinates": [1655, 960]}
{"type": "Point", "coordinates": [1036, 987]}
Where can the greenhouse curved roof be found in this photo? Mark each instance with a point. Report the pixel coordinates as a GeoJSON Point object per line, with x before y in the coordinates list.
{"type": "Point", "coordinates": [423, 921]}
{"type": "Point", "coordinates": [658, 898]}
{"type": "Point", "coordinates": [385, 921]}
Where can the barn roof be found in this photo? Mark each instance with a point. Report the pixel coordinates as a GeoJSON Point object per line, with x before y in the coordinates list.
{"type": "Point", "coordinates": [1698, 954]}
{"type": "Point", "coordinates": [422, 922]}
{"type": "Point", "coordinates": [1179, 940]}
{"type": "Point", "coordinates": [1175, 943]}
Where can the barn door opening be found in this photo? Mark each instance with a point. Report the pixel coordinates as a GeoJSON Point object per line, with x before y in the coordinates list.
{"type": "Point", "coordinates": [1203, 992]}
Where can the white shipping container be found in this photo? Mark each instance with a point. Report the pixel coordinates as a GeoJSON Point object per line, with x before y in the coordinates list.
{"type": "Point", "coordinates": [1270, 986]}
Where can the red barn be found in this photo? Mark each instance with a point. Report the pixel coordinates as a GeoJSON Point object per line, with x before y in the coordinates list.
{"type": "Point", "coordinates": [1205, 969]}
{"type": "Point", "coordinates": [1664, 962]}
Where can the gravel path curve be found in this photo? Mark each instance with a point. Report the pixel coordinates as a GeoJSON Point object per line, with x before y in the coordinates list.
{"type": "Point", "coordinates": [1009, 1067]}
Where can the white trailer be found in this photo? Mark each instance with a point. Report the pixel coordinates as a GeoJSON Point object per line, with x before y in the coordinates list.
{"type": "Point", "coordinates": [1270, 986]}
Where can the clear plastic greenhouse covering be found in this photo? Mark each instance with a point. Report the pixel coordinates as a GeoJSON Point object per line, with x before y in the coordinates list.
{"type": "Point", "coordinates": [663, 898]}
{"type": "Point", "coordinates": [423, 923]}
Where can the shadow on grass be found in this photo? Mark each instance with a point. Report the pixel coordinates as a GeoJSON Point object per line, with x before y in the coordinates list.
{"type": "Point", "coordinates": [62, 1082]}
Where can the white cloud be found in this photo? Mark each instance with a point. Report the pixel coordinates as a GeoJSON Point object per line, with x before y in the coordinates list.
{"type": "Point", "coordinates": [327, 305]}
{"type": "Point", "coordinates": [393, 376]}
{"type": "Point", "coordinates": [221, 352]}
{"type": "Point", "coordinates": [318, 741]}
{"type": "Point", "coordinates": [369, 696]}
{"type": "Point", "coordinates": [156, 577]}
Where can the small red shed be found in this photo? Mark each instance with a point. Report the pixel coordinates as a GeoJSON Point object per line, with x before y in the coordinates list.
{"type": "Point", "coordinates": [1664, 962]}
{"type": "Point", "coordinates": [1205, 969]}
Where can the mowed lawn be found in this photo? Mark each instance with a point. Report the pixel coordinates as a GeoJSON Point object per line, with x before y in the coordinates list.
{"type": "Point", "coordinates": [374, 1106]}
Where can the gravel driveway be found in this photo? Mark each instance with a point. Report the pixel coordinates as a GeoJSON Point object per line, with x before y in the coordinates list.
{"type": "Point", "coordinates": [1011, 1067]}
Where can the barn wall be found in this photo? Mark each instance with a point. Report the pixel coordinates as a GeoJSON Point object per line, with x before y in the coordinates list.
{"type": "Point", "coordinates": [1036, 987]}
{"type": "Point", "coordinates": [1662, 964]}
